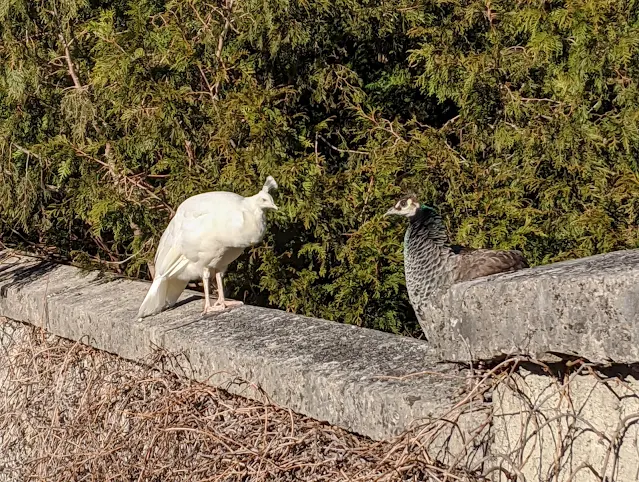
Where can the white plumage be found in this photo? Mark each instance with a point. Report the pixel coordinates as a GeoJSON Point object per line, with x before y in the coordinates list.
{"type": "Point", "coordinates": [208, 232]}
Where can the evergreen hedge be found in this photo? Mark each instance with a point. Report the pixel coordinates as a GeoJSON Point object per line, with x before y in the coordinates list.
{"type": "Point", "coordinates": [519, 120]}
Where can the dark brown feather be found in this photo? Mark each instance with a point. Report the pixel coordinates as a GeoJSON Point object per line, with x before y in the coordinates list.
{"type": "Point", "coordinates": [475, 263]}
{"type": "Point", "coordinates": [461, 249]}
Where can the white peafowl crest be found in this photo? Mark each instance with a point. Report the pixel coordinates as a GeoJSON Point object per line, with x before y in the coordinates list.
{"type": "Point", "coordinates": [208, 232]}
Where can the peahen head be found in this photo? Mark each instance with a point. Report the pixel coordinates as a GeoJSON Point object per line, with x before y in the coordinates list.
{"type": "Point", "coordinates": [407, 206]}
{"type": "Point", "coordinates": [263, 198]}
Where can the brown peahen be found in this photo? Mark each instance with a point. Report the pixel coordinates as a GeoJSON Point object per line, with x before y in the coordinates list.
{"type": "Point", "coordinates": [432, 264]}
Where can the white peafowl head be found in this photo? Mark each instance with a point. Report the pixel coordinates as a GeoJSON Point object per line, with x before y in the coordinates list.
{"type": "Point", "coordinates": [263, 199]}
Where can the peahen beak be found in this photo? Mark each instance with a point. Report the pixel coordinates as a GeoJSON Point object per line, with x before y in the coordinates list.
{"type": "Point", "coordinates": [390, 212]}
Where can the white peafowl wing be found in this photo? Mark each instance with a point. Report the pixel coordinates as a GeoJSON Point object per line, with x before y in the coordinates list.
{"type": "Point", "coordinates": [203, 228]}
{"type": "Point", "coordinates": [170, 258]}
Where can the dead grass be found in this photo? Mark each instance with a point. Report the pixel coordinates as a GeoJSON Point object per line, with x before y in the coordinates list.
{"type": "Point", "coordinates": [70, 412]}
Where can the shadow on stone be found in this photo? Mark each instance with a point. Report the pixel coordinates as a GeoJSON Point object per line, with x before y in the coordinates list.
{"type": "Point", "coordinates": [570, 364]}
{"type": "Point", "coordinates": [185, 301]}
{"type": "Point", "coordinates": [23, 275]}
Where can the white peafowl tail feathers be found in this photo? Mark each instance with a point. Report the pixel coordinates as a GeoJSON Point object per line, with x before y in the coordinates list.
{"type": "Point", "coordinates": [164, 292]}
{"type": "Point", "coordinates": [155, 298]}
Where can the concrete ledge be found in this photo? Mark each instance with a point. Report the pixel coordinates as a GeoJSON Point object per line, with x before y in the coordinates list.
{"type": "Point", "coordinates": [322, 369]}
{"type": "Point", "coordinates": [587, 307]}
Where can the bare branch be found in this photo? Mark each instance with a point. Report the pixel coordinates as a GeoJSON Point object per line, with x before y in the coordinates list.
{"type": "Point", "coordinates": [26, 151]}
{"type": "Point", "coordinates": [227, 24]}
{"type": "Point", "coordinates": [212, 93]}
{"type": "Point", "coordinates": [189, 152]}
{"type": "Point", "coordinates": [140, 184]}
{"type": "Point", "coordinates": [344, 151]}
{"type": "Point", "coordinates": [228, 19]}
{"type": "Point", "coordinates": [70, 65]}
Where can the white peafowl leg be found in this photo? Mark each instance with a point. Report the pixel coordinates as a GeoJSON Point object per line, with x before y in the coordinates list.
{"type": "Point", "coordinates": [206, 274]}
{"type": "Point", "coordinates": [221, 302]}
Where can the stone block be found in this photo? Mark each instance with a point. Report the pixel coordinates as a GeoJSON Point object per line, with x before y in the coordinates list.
{"type": "Point", "coordinates": [584, 427]}
{"type": "Point", "coordinates": [587, 307]}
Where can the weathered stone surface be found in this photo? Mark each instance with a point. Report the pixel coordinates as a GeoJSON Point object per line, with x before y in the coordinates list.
{"type": "Point", "coordinates": [326, 370]}
{"type": "Point", "coordinates": [587, 307]}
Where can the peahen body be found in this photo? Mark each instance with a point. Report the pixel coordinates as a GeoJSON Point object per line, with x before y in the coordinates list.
{"type": "Point", "coordinates": [208, 232]}
{"type": "Point", "coordinates": [432, 264]}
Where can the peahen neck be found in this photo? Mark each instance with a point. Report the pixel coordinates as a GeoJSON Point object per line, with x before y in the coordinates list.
{"type": "Point", "coordinates": [427, 224]}
{"type": "Point", "coordinates": [426, 255]}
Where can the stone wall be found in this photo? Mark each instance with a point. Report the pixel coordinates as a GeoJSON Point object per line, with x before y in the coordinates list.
{"type": "Point", "coordinates": [532, 412]}
{"type": "Point", "coordinates": [586, 307]}
{"type": "Point", "coordinates": [70, 412]}
{"type": "Point", "coordinates": [581, 426]}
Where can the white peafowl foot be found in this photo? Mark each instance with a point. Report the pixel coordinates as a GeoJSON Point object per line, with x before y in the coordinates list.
{"type": "Point", "coordinates": [222, 306]}
{"type": "Point", "coordinates": [212, 309]}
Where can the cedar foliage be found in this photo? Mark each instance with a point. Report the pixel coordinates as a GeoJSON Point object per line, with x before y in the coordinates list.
{"type": "Point", "coordinates": [519, 120]}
